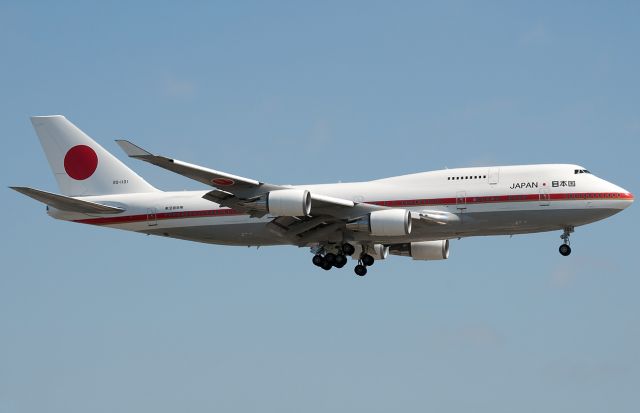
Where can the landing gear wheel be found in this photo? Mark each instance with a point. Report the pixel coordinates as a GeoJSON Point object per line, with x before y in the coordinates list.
{"type": "Point", "coordinates": [348, 249]}
{"type": "Point", "coordinates": [367, 260]}
{"type": "Point", "coordinates": [565, 250]}
{"type": "Point", "coordinates": [326, 266]}
{"type": "Point", "coordinates": [330, 258]}
{"type": "Point", "coordinates": [317, 260]}
{"type": "Point", "coordinates": [360, 270]}
{"type": "Point", "coordinates": [341, 260]}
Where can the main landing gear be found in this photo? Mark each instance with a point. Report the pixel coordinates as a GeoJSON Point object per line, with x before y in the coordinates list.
{"type": "Point", "coordinates": [330, 259]}
{"type": "Point", "coordinates": [360, 270]}
{"type": "Point", "coordinates": [338, 259]}
{"type": "Point", "coordinates": [565, 249]}
{"type": "Point", "coordinates": [365, 261]}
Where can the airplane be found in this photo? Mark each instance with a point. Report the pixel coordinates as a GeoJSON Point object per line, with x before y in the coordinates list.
{"type": "Point", "coordinates": [410, 215]}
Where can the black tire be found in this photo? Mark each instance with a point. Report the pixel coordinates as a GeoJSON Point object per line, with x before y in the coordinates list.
{"type": "Point", "coordinates": [348, 249]}
{"type": "Point", "coordinates": [341, 260]}
{"type": "Point", "coordinates": [564, 250]}
{"type": "Point", "coordinates": [330, 258]}
{"type": "Point", "coordinates": [317, 260]}
{"type": "Point", "coordinates": [368, 260]}
{"type": "Point", "coordinates": [360, 270]}
{"type": "Point", "coordinates": [326, 266]}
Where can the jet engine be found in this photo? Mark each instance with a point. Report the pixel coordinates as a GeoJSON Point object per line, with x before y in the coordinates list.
{"type": "Point", "coordinates": [422, 250]}
{"type": "Point", "coordinates": [285, 202]}
{"type": "Point", "coordinates": [388, 222]}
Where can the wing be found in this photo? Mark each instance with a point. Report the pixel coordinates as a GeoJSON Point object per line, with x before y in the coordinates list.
{"type": "Point", "coordinates": [232, 190]}
{"type": "Point", "coordinates": [236, 185]}
{"type": "Point", "coordinates": [328, 214]}
{"type": "Point", "coordinates": [66, 203]}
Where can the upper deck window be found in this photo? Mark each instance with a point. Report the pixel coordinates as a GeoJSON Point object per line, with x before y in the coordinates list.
{"type": "Point", "coordinates": [581, 171]}
{"type": "Point", "coordinates": [457, 178]}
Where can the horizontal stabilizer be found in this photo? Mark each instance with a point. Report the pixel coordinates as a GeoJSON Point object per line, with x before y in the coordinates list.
{"type": "Point", "coordinates": [65, 203]}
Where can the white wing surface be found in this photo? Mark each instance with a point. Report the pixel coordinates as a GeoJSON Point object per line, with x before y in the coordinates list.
{"type": "Point", "coordinates": [240, 193]}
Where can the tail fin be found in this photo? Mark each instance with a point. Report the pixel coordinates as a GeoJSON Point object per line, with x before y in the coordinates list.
{"type": "Point", "coordinates": [80, 165]}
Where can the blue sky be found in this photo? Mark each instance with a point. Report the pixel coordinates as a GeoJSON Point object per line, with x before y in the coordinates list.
{"type": "Point", "coordinates": [307, 92]}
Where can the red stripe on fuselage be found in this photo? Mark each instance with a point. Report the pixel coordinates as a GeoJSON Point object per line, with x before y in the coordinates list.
{"type": "Point", "coordinates": [160, 216]}
{"type": "Point", "coordinates": [470, 200]}
{"type": "Point", "coordinates": [577, 196]}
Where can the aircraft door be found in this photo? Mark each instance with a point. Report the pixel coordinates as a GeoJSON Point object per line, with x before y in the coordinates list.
{"type": "Point", "coordinates": [494, 176]}
{"type": "Point", "coordinates": [544, 197]}
{"type": "Point", "coordinates": [461, 201]}
{"type": "Point", "coordinates": [152, 217]}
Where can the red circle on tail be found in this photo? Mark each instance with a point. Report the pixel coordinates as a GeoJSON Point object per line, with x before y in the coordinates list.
{"type": "Point", "coordinates": [80, 162]}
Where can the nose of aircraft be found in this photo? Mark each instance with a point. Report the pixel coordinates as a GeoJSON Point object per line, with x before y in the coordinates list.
{"type": "Point", "coordinates": [625, 198]}
{"type": "Point", "coordinates": [629, 199]}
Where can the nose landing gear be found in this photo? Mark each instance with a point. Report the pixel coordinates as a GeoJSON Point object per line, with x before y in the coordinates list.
{"type": "Point", "coordinates": [565, 249]}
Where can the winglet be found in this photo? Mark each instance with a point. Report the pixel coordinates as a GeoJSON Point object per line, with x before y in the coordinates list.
{"type": "Point", "coordinates": [132, 150]}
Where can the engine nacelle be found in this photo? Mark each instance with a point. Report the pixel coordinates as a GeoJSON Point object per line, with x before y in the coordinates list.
{"type": "Point", "coordinates": [289, 202]}
{"type": "Point", "coordinates": [285, 202]}
{"type": "Point", "coordinates": [385, 223]}
{"type": "Point", "coordinates": [377, 251]}
{"type": "Point", "coordinates": [422, 250]}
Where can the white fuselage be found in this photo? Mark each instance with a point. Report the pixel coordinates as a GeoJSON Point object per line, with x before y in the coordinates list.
{"type": "Point", "coordinates": [485, 200]}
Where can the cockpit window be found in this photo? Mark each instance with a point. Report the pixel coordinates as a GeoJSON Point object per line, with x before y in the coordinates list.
{"type": "Point", "coordinates": [581, 171]}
